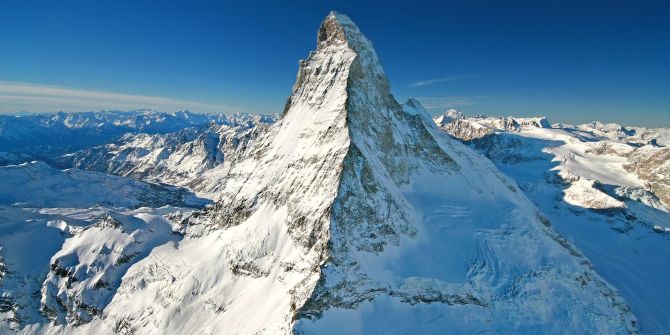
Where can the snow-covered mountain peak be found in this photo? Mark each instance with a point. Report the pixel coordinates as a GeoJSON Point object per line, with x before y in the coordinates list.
{"type": "Point", "coordinates": [328, 210]}
{"type": "Point", "coordinates": [351, 208]}
{"type": "Point", "coordinates": [338, 30]}
{"type": "Point", "coordinates": [452, 113]}
{"type": "Point", "coordinates": [604, 126]}
{"type": "Point", "coordinates": [332, 30]}
{"type": "Point", "coordinates": [449, 116]}
{"type": "Point", "coordinates": [532, 122]}
{"type": "Point", "coordinates": [344, 59]}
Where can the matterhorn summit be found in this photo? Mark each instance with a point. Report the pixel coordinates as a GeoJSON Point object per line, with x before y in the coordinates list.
{"type": "Point", "coordinates": [353, 214]}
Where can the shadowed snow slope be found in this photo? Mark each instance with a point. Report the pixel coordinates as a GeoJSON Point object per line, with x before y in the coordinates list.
{"type": "Point", "coordinates": [605, 188]}
{"type": "Point", "coordinates": [352, 215]}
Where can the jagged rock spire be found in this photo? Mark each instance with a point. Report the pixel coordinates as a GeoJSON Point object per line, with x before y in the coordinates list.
{"type": "Point", "coordinates": [343, 55]}
{"type": "Point", "coordinates": [331, 30]}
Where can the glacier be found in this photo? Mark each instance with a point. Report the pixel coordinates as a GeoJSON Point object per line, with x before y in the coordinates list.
{"type": "Point", "coordinates": [603, 188]}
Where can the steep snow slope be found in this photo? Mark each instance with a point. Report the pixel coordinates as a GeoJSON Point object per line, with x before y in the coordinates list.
{"type": "Point", "coordinates": [39, 244]}
{"type": "Point", "coordinates": [85, 273]}
{"type": "Point", "coordinates": [603, 195]}
{"type": "Point", "coordinates": [351, 211]}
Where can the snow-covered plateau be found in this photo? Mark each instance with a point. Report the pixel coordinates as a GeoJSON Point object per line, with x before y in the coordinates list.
{"type": "Point", "coordinates": [349, 213]}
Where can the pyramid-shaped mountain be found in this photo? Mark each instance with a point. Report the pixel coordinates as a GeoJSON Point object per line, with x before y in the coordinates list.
{"type": "Point", "coordinates": [354, 214]}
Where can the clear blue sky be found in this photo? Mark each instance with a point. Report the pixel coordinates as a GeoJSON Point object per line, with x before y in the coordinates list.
{"type": "Point", "coordinates": [573, 61]}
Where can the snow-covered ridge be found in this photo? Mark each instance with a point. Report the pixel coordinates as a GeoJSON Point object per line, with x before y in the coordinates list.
{"type": "Point", "coordinates": [50, 135]}
{"type": "Point", "coordinates": [454, 122]}
{"type": "Point", "coordinates": [174, 158]}
{"type": "Point", "coordinates": [605, 186]}
{"type": "Point", "coordinates": [627, 156]}
{"type": "Point", "coordinates": [43, 208]}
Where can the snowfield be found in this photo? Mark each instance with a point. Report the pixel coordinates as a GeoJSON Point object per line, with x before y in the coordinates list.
{"type": "Point", "coordinates": [603, 188]}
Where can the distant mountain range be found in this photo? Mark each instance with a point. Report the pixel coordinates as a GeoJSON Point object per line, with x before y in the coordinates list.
{"type": "Point", "coordinates": [49, 135]}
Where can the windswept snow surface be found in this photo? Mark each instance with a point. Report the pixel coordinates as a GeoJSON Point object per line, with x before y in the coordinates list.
{"type": "Point", "coordinates": [576, 160]}
{"type": "Point", "coordinates": [602, 187]}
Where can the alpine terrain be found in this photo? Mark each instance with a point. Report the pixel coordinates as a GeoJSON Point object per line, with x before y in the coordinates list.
{"type": "Point", "coordinates": [603, 186]}
{"type": "Point", "coordinates": [347, 214]}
